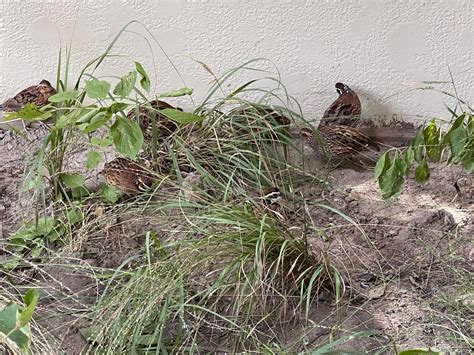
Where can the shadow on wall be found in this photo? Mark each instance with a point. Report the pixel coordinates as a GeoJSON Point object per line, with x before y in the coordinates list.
{"type": "Point", "coordinates": [374, 110]}
{"type": "Point", "coordinates": [381, 123]}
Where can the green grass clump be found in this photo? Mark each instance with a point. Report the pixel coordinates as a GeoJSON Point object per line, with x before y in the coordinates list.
{"type": "Point", "coordinates": [225, 284]}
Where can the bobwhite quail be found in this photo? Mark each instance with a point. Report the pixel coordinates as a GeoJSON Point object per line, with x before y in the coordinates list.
{"type": "Point", "coordinates": [273, 121]}
{"type": "Point", "coordinates": [144, 116]}
{"type": "Point", "coordinates": [267, 113]}
{"type": "Point", "coordinates": [272, 201]}
{"type": "Point", "coordinates": [36, 94]}
{"type": "Point", "coordinates": [338, 141]}
{"type": "Point", "coordinates": [345, 109]}
{"type": "Point", "coordinates": [128, 176]}
{"type": "Point", "coordinates": [270, 196]}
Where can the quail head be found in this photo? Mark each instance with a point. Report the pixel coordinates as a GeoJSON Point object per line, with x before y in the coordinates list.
{"type": "Point", "coordinates": [345, 109]}
{"type": "Point", "coordinates": [36, 94]}
{"type": "Point", "coordinates": [338, 141]}
{"type": "Point", "coordinates": [144, 115]}
{"type": "Point", "coordinates": [128, 176]}
{"type": "Point", "coordinates": [271, 196]}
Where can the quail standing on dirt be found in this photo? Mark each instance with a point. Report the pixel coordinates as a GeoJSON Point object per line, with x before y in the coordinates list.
{"type": "Point", "coordinates": [338, 141]}
{"type": "Point", "coordinates": [128, 176]}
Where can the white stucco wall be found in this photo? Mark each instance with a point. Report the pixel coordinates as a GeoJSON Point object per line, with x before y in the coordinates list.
{"type": "Point", "coordinates": [383, 49]}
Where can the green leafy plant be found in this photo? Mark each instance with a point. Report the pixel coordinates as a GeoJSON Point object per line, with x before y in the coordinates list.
{"type": "Point", "coordinates": [236, 142]}
{"type": "Point", "coordinates": [428, 146]}
{"type": "Point", "coordinates": [15, 323]}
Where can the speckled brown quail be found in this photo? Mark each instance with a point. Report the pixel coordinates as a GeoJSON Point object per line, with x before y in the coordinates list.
{"type": "Point", "coordinates": [266, 112]}
{"type": "Point", "coordinates": [345, 109]}
{"type": "Point", "coordinates": [338, 141]}
{"type": "Point", "coordinates": [128, 176]}
{"type": "Point", "coordinates": [272, 119]}
{"type": "Point", "coordinates": [144, 116]}
{"type": "Point", "coordinates": [36, 94]}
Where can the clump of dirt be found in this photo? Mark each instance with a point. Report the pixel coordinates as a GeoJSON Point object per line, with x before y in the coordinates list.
{"type": "Point", "coordinates": [406, 262]}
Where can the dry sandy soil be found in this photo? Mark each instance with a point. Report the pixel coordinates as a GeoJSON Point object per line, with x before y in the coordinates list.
{"type": "Point", "coordinates": [407, 262]}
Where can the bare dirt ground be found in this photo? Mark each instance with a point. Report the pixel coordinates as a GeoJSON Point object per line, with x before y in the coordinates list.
{"type": "Point", "coordinates": [407, 263]}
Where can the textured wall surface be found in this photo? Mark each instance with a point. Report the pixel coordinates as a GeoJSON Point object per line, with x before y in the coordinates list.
{"type": "Point", "coordinates": [383, 49]}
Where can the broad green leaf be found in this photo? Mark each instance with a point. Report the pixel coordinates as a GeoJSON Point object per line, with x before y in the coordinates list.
{"type": "Point", "coordinates": [26, 232]}
{"type": "Point", "coordinates": [85, 114]}
{"type": "Point", "coordinates": [467, 155]}
{"type": "Point", "coordinates": [117, 107]}
{"type": "Point", "coordinates": [101, 142]}
{"type": "Point", "coordinates": [19, 337]}
{"type": "Point", "coordinates": [93, 158]}
{"type": "Point", "coordinates": [72, 180]}
{"type": "Point", "coordinates": [45, 226]}
{"type": "Point", "coordinates": [79, 192]}
{"type": "Point", "coordinates": [457, 123]}
{"type": "Point", "coordinates": [61, 122]}
{"type": "Point", "coordinates": [457, 139]}
{"type": "Point", "coordinates": [58, 231]}
{"type": "Point", "coordinates": [10, 263]}
{"type": "Point", "coordinates": [401, 165]}
{"type": "Point", "coordinates": [470, 125]}
{"type": "Point", "coordinates": [38, 248]}
{"type": "Point", "coordinates": [16, 244]}
{"type": "Point", "coordinates": [393, 180]}
{"type": "Point", "coordinates": [64, 96]}
{"type": "Point", "coordinates": [31, 113]}
{"type": "Point", "coordinates": [409, 158]}
{"type": "Point", "coordinates": [100, 119]}
{"type": "Point", "coordinates": [97, 89]}
{"type": "Point", "coordinates": [74, 215]}
{"type": "Point", "coordinates": [24, 316]}
{"type": "Point", "coordinates": [180, 116]}
{"type": "Point", "coordinates": [382, 165]}
{"type": "Point", "coordinates": [9, 116]}
{"type": "Point", "coordinates": [18, 240]}
{"type": "Point", "coordinates": [177, 93]}
{"type": "Point", "coordinates": [144, 80]}
{"type": "Point", "coordinates": [126, 84]}
{"type": "Point", "coordinates": [127, 137]}
{"type": "Point", "coordinates": [431, 135]}
{"type": "Point", "coordinates": [110, 194]}
{"type": "Point", "coordinates": [422, 172]}
{"type": "Point", "coordinates": [418, 146]}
